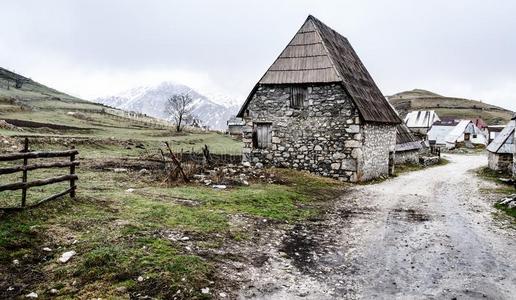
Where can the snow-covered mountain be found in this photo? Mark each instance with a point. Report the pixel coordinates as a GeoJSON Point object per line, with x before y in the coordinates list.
{"type": "Point", "coordinates": [151, 100]}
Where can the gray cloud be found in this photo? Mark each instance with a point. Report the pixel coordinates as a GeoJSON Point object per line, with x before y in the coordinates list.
{"type": "Point", "coordinates": [90, 48]}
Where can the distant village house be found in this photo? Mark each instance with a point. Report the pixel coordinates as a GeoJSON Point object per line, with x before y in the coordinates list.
{"type": "Point", "coordinates": [420, 121]}
{"type": "Point", "coordinates": [318, 109]}
{"type": "Point", "coordinates": [481, 124]}
{"type": "Point", "coordinates": [501, 150]}
{"type": "Point", "coordinates": [454, 134]}
{"type": "Point", "coordinates": [235, 126]}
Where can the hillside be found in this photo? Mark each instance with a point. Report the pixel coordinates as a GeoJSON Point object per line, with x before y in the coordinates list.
{"type": "Point", "coordinates": [39, 111]}
{"type": "Point", "coordinates": [419, 99]}
{"type": "Point", "coordinates": [151, 100]}
{"type": "Point", "coordinates": [33, 95]}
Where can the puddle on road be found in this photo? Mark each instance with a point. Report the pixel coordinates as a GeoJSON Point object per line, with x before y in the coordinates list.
{"type": "Point", "coordinates": [348, 213]}
{"type": "Point", "coordinates": [301, 245]}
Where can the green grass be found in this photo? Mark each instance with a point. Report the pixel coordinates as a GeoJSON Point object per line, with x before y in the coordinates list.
{"type": "Point", "coordinates": [37, 103]}
{"type": "Point", "coordinates": [122, 236]}
{"type": "Point", "coordinates": [501, 187]}
{"type": "Point", "coordinates": [509, 211]}
{"type": "Point", "coordinates": [494, 176]}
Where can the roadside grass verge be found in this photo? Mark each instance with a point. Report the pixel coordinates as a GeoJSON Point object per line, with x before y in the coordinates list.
{"type": "Point", "coordinates": [129, 242]}
{"type": "Point", "coordinates": [501, 188]}
{"type": "Point", "coordinates": [411, 167]}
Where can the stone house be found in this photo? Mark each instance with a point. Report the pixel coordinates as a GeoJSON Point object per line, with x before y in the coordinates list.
{"type": "Point", "coordinates": [465, 133]}
{"type": "Point", "coordinates": [318, 109]}
{"type": "Point", "coordinates": [407, 147]}
{"type": "Point", "coordinates": [500, 150]}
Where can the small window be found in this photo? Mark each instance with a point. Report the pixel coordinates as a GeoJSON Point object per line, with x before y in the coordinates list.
{"type": "Point", "coordinates": [262, 135]}
{"type": "Point", "coordinates": [297, 96]}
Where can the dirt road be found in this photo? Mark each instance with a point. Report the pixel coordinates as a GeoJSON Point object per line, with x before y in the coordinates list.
{"type": "Point", "coordinates": [429, 234]}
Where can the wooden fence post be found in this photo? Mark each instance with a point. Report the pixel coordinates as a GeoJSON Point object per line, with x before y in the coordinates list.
{"type": "Point", "coordinates": [24, 174]}
{"type": "Point", "coordinates": [72, 172]}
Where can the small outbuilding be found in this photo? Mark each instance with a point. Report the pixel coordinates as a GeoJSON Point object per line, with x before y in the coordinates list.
{"type": "Point", "coordinates": [407, 146]}
{"type": "Point", "coordinates": [317, 108]}
{"type": "Point", "coordinates": [420, 121]}
{"type": "Point", "coordinates": [235, 126]}
{"type": "Point", "coordinates": [501, 150]}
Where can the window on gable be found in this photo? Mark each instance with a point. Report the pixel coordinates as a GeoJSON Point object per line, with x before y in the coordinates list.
{"type": "Point", "coordinates": [262, 135]}
{"type": "Point", "coordinates": [297, 96]}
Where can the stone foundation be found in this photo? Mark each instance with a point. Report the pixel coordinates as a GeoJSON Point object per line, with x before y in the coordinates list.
{"type": "Point", "coordinates": [500, 162]}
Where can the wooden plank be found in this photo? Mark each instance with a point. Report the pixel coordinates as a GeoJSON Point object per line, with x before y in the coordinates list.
{"type": "Point", "coordinates": [68, 191]}
{"type": "Point", "coordinates": [10, 170]}
{"type": "Point", "coordinates": [177, 163]}
{"type": "Point", "coordinates": [16, 156]}
{"type": "Point", "coordinates": [39, 202]}
{"type": "Point", "coordinates": [21, 185]}
{"type": "Point", "coordinates": [24, 176]}
{"type": "Point", "coordinates": [72, 173]}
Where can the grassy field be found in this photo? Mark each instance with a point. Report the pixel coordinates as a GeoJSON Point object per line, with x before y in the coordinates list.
{"type": "Point", "coordinates": [57, 114]}
{"type": "Point", "coordinates": [134, 235]}
{"type": "Point", "coordinates": [102, 127]}
{"type": "Point", "coordinates": [151, 240]}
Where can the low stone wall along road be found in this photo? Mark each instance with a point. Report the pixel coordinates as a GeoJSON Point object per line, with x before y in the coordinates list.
{"type": "Point", "coordinates": [430, 234]}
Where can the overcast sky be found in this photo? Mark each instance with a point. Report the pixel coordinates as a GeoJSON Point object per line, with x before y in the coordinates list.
{"type": "Point", "coordinates": [91, 48]}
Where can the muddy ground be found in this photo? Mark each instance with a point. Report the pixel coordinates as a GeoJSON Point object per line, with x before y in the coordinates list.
{"type": "Point", "coordinates": [430, 234]}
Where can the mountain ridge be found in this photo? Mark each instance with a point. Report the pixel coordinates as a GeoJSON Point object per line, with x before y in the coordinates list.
{"type": "Point", "coordinates": [151, 100]}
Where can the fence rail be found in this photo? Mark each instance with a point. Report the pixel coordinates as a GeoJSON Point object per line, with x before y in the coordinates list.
{"type": "Point", "coordinates": [24, 185]}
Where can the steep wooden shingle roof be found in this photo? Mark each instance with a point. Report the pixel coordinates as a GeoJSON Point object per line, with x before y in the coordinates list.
{"type": "Point", "coordinates": [319, 54]}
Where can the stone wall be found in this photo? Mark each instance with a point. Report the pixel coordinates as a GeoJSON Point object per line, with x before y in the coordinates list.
{"type": "Point", "coordinates": [379, 140]}
{"type": "Point", "coordinates": [406, 157]}
{"type": "Point", "coordinates": [325, 136]}
{"type": "Point", "coordinates": [500, 162]}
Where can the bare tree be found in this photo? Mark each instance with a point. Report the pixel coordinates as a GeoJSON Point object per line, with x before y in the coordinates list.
{"type": "Point", "coordinates": [178, 106]}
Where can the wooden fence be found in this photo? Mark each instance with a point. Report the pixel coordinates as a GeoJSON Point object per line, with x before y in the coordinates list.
{"type": "Point", "coordinates": [24, 185]}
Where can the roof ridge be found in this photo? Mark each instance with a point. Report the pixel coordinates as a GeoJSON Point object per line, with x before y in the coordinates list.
{"type": "Point", "coordinates": [317, 30]}
{"type": "Point", "coordinates": [336, 55]}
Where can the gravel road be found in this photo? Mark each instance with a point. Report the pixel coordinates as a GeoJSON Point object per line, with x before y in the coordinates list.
{"type": "Point", "coordinates": [429, 234]}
